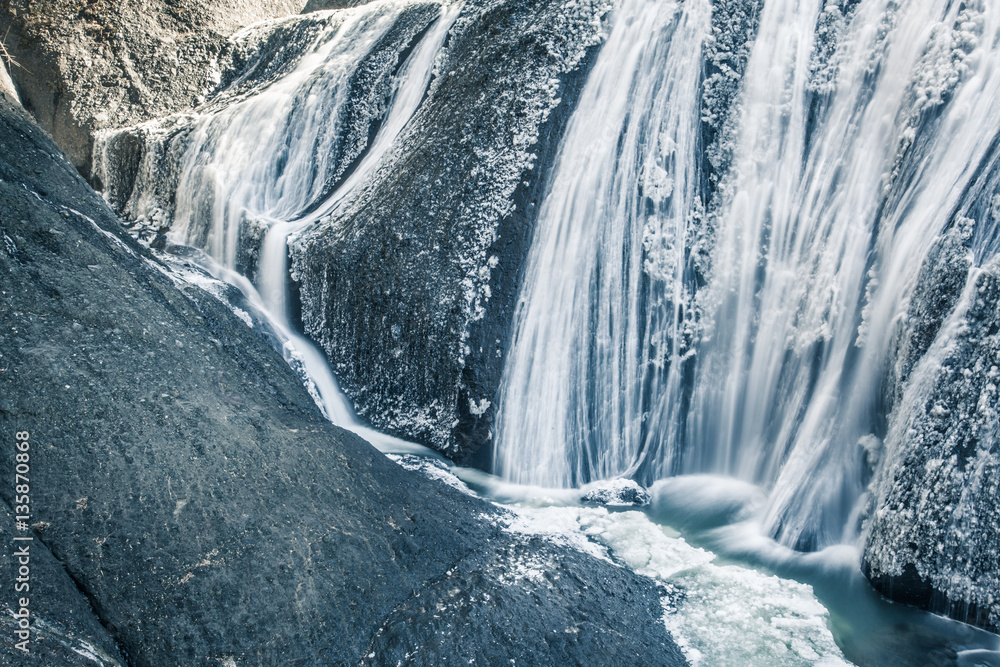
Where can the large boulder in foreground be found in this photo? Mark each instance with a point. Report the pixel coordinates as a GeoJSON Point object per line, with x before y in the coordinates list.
{"type": "Point", "coordinates": [93, 64]}
{"type": "Point", "coordinates": [184, 481]}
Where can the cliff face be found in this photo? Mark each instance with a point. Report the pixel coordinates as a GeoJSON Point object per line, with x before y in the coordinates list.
{"type": "Point", "coordinates": [94, 64]}
{"type": "Point", "coordinates": [933, 536]}
{"type": "Point", "coordinates": [426, 261]}
{"type": "Point", "coordinates": [184, 482]}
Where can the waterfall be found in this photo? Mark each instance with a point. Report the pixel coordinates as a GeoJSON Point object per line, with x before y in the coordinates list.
{"type": "Point", "coordinates": [860, 129]}
{"type": "Point", "coordinates": [268, 158]}
{"type": "Point", "coordinates": [623, 192]}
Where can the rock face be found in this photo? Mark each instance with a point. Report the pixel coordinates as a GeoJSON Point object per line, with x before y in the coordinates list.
{"type": "Point", "coordinates": [933, 539]}
{"type": "Point", "coordinates": [184, 481]}
{"type": "Point", "coordinates": [63, 627]}
{"type": "Point", "coordinates": [97, 64]}
{"type": "Point", "coordinates": [426, 264]}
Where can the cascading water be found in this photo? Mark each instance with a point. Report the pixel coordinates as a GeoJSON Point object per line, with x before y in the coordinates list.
{"type": "Point", "coordinates": [594, 345]}
{"type": "Point", "coordinates": [850, 157]}
{"type": "Point", "coordinates": [671, 322]}
{"type": "Point", "coordinates": [267, 158]}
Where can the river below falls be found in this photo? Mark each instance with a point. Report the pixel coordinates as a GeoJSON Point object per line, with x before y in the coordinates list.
{"type": "Point", "coordinates": [733, 596]}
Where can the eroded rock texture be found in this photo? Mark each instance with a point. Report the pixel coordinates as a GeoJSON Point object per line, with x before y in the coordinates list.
{"type": "Point", "coordinates": [933, 539]}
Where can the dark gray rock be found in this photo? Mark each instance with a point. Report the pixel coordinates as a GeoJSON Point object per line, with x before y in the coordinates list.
{"type": "Point", "coordinates": [194, 494]}
{"type": "Point", "coordinates": [939, 286]}
{"type": "Point", "coordinates": [734, 28]}
{"type": "Point", "coordinates": [933, 536]}
{"type": "Point", "coordinates": [469, 630]}
{"type": "Point", "coordinates": [64, 630]}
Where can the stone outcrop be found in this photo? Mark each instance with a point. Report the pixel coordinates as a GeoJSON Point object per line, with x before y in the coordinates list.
{"type": "Point", "coordinates": [426, 264]}
{"type": "Point", "coordinates": [186, 484]}
{"type": "Point", "coordinates": [933, 537]}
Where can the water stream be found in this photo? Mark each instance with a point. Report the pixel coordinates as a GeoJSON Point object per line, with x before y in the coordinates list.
{"type": "Point", "coordinates": [263, 158]}
{"type": "Point", "coordinates": [861, 128]}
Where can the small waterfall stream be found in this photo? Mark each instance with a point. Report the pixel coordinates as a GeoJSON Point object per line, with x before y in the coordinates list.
{"type": "Point", "coordinates": [839, 186]}
{"type": "Point", "coordinates": [266, 158]}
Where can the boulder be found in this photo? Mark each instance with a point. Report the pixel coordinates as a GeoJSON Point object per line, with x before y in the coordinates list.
{"type": "Point", "coordinates": [933, 535]}
{"type": "Point", "coordinates": [426, 263]}
{"type": "Point", "coordinates": [616, 492]}
{"type": "Point", "coordinates": [185, 483]}
{"type": "Point", "coordinates": [62, 627]}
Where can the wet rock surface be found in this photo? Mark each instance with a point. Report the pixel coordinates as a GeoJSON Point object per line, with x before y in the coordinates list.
{"type": "Point", "coordinates": [193, 493]}
{"type": "Point", "coordinates": [469, 630]}
{"type": "Point", "coordinates": [933, 537]}
{"type": "Point", "coordinates": [617, 493]}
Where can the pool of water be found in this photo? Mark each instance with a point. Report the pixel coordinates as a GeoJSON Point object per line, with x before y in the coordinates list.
{"type": "Point", "coordinates": [735, 596]}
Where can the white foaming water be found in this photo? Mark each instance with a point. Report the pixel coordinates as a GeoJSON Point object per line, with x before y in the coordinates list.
{"type": "Point", "coordinates": [720, 614]}
{"type": "Point", "coordinates": [265, 157]}
{"type": "Point", "coordinates": [833, 200]}
{"type": "Point", "coordinates": [736, 596]}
